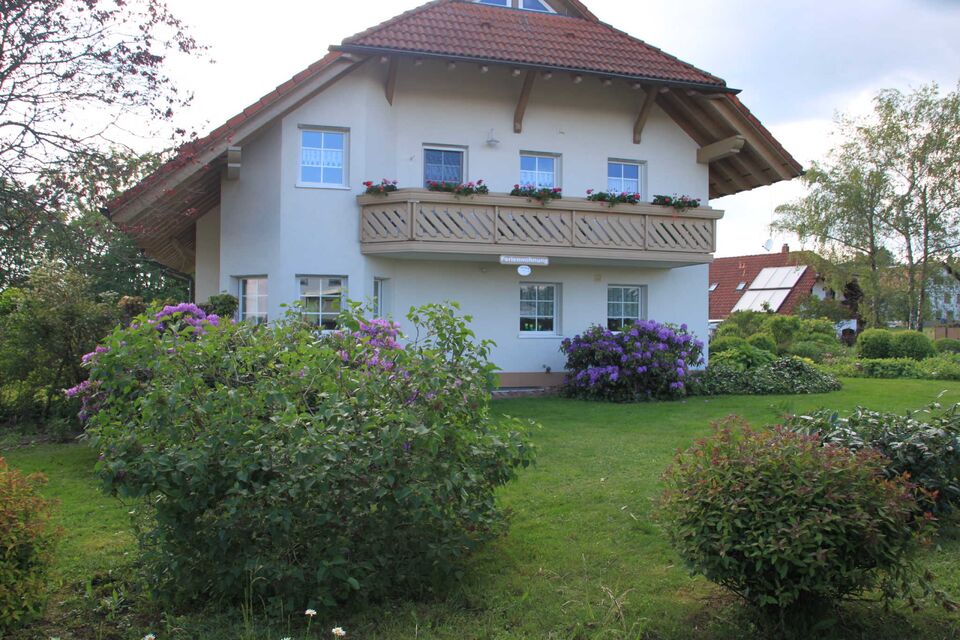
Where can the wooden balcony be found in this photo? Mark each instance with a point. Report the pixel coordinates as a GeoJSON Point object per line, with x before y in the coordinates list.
{"type": "Point", "coordinates": [415, 223]}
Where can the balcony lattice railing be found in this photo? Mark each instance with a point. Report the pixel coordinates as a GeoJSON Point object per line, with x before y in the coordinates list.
{"type": "Point", "coordinates": [419, 221]}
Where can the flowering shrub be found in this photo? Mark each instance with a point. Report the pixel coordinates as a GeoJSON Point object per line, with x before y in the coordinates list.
{"type": "Point", "coordinates": [613, 197]}
{"type": "Point", "coordinates": [543, 195]}
{"type": "Point", "coordinates": [300, 470]}
{"type": "Point", "coordinates": [789, 524]}
{"type": "Point", "coordinates": [680, 203]}
{"type": "Point", "coordinates": [646, 360]}
{"type": "Point", "coordinates": [26, 544]}
{"type": "Point", "coordinates": [458, 189]}
{"type": "Point", "coordinates": [381, 188]}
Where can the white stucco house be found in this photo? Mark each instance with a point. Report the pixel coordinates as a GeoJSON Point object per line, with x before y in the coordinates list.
{"type": "Point", "coordinates": [271, 206]}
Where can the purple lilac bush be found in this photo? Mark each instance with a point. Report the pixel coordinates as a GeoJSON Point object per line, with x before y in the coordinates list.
{"type": "Point", "coordinates": [647, 360]}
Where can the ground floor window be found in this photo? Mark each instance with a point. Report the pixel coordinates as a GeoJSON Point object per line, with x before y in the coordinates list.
{"type": "Point", "coordinates": [539, 309]}
{"type": "Point", "coordinates": [624, 306]}
{"type": "Point", "coordinates": [321, 299]}
{"type": "Point", "coordinates": [253, 300]}
{"type": "Point", "coordinates": [379, 297]}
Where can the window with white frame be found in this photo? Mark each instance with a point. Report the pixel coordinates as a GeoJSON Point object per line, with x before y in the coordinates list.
{"type": "Point", "coordinates": [527, 5]}
{"type": "Point", "coordinates": [624, 306]}
{"type": "Point", "coordinates": [443, 164]}
{"type": "Point", "coordinates": [624, 177]}
{"type": "Point", "coordinates": [539, 170]}
{"type": "Point", "coordinates": [322, 299]}
{"type": "Point", "coordinates": [253, 300]}
{"type": "Point", "coordinates": [540, 309]}
{"type": "Point", "coordinates": [323, 157]}
{"type": "Point", "coordinates": [379, 297]}
{"type": "Point", "coordinates": [713, 286]}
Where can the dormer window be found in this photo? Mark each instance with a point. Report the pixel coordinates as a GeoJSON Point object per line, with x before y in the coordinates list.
{"type": "Point", "coordinates": [526, 5]}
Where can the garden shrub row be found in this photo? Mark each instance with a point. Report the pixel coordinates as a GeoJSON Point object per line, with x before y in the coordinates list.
{"type": "Point", "coordinates": [776, 333]}
{"type": "Point", "coordinates": [784, 376]}
{"type": "Point", "coordinates": [278, 467]}
{"type": "Point", "coordinates": [943, 367]}
{"type": "Point", "coordinates": [881, 343]}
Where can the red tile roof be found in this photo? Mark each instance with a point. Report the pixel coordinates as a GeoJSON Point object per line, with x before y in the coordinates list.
{"type": "Point", "coordinates": [465, 29]}
{"type": "Point", "coordinates": [727, 273]}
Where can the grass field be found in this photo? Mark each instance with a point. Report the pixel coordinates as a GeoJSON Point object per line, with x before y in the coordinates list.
{"type": "Point", "coordinates": [582, 557]}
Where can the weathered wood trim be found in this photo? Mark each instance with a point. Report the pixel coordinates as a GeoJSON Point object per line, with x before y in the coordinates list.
{"type": "Point", "coordinates": [390, 89]}
{"type": "Point", "coordinates": [649, 99]}
{"type": "Point", "coordinates": [721, 149]}
{"type": "Point", "coordinates": [523, 101]}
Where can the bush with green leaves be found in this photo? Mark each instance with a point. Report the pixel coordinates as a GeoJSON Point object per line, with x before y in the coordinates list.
{"type": "Point", "coordinates": [26, 545]}
{"type": "Point", "coordinates": [812, 350]}
{"type": "Point", "coordinates": [942, 367]}
{"type": "Point", "coordinates": [788, 524]}
{"type": "Point", "coordinates": [783, 329]}
{"type": "Point", "coordinates": [912, 344]}
{"type": "Point", "coordinates": [281, 467]}
{"type": "Point", "coordinates": [45, 328]}
{"type": "Point", "coordinates": [744, 323]}
{"type": "Point", "coordinates": [785, 376]}
{"type": "Point", "coordinates": [875, 343]}
{"type": "Point", "coordinates": [743, 357]}
{"type": "Point", "coordinates": [223, 305]}
{"type": "Point", "coordinates": [724, 343]}
{"type": "Point", "coordinates": [763, 341]}
{"type": "Point", "coordinates": [890, 368]}
{"type": "Point", "coordinates": [924, 444]}
{"type": "Point", "coordinates": [947, 345]}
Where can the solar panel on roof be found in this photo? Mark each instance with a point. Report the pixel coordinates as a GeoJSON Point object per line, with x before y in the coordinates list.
{"type": "Point", "coordinates": [754, 300]}
{"type": "Point", "coordinates": [778, 277]}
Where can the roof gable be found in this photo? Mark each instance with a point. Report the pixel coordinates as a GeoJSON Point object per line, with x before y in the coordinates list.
{"type": "Point", "coordinates": [466, 29]}
{"type": "Point", "coordinates": [729, 273]}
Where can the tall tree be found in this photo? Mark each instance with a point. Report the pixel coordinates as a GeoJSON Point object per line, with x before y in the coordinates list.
{"type": "Point", "coordinates": [72, 72]}
{"type": "Point", "coordinates": [843, 214]}
{"type": "Point", "coordinates": [916, 138]}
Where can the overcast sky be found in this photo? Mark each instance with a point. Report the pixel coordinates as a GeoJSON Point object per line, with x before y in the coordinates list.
{"type": "Point", "coordinates": [797, 63]}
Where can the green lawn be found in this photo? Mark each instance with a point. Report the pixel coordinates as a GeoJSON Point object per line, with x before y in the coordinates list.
{"type": "Point", "coordinates": [581, 559]}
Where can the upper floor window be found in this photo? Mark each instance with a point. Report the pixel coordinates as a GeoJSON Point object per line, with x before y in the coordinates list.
{"type": "Point", "coordinates": [624, 177]}
{"type": "Point", "coordinates": [322, 299]}
{"type": "Point", "coordinates": [323, 157]}
{"type": "Point", "coordinates": [539, 170]}
{"type": "Point", "coordinates": [528, 5]}
{"type": "Point", "coordinates": [253, 300]}
{"type": "Point", "coordinates": [441, 164]}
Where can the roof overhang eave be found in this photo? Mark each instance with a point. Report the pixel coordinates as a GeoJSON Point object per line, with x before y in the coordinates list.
{"type": "Point", "coordinates": [705, 87]}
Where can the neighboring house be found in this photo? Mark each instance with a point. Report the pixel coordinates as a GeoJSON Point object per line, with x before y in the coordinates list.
{"type": "Point", "coordinates": [774, 282]}
{"type": "Point", "coordinates": [270, 206]}
{"type": "Point", "coordinates": [944, 297]}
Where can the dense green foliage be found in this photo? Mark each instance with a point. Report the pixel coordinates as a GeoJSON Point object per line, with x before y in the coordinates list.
{"type": "Point", "coordinates": [875, 343]}
{"type": "Point", "coordinates": [947, 345]}
{"type": "Point", "coordinates": [295, 470]}
{"type": "Point", "coordinates": [45, 328]}
{"type": "Point", "coordinates": [26, 542]}
{"type": "Point", "coordinates": [778, 334]}
{"type": "Point", "coordinates": [763, 341]}
{"type": "Point", "coordinates": [722, 343]}
{"type": "Point", "coordinates": [223, 305]}
{"type": "Point", "coordinates": [924, 444]}
{"type": "Point", "coordinates": [742, 356]}
{"type": "Point", "coordinates": [945, 366]}
{"type": "Point", "coordinates": [912, 344]}
{"type": "Point", "coordinates": [785, 376]}
{"type": "Point", "coordinates": [789, 524]}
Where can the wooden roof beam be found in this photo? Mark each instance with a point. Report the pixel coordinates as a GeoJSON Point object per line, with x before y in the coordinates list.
{"type": "Point", "coordinates": [649, 98]}
{"type": "Point", "coordinates": [731, 175]}
{"type": "Point", "coordinates": [761, 147]}
{"type": "Point", "coordinates": [721, 149]}
{"type": "Point", "coordinates": [390, 88]}
{"type": "Point", "coordinates": [523, 101]}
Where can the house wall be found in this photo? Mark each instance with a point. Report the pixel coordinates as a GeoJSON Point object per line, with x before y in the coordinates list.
{"type": "Point", "coordinates": [207, 274]}
{"type": "Point", "coordinates": [270, 226]}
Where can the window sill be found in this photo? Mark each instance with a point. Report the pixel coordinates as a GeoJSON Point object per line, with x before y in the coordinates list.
{"type": "Point", "coordinates": [331, 187]}
{"type": "Point", "coordinates": [539, 336]}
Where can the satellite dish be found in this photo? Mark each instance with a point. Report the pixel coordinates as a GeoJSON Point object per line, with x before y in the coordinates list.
{"type": "Point", "coordinates": [524, 270]}
{"type": "Point", "coordinates": [768, 245]}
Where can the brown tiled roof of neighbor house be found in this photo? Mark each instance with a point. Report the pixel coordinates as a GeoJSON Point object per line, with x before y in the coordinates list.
{"type": "Point", "coordinates": [466, 29]}
{"type": "Point", "coordinates": [728, 273]}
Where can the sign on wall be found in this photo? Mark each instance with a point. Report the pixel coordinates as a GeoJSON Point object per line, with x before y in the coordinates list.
{"type": "Point", "coordinates": [525, 260]}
